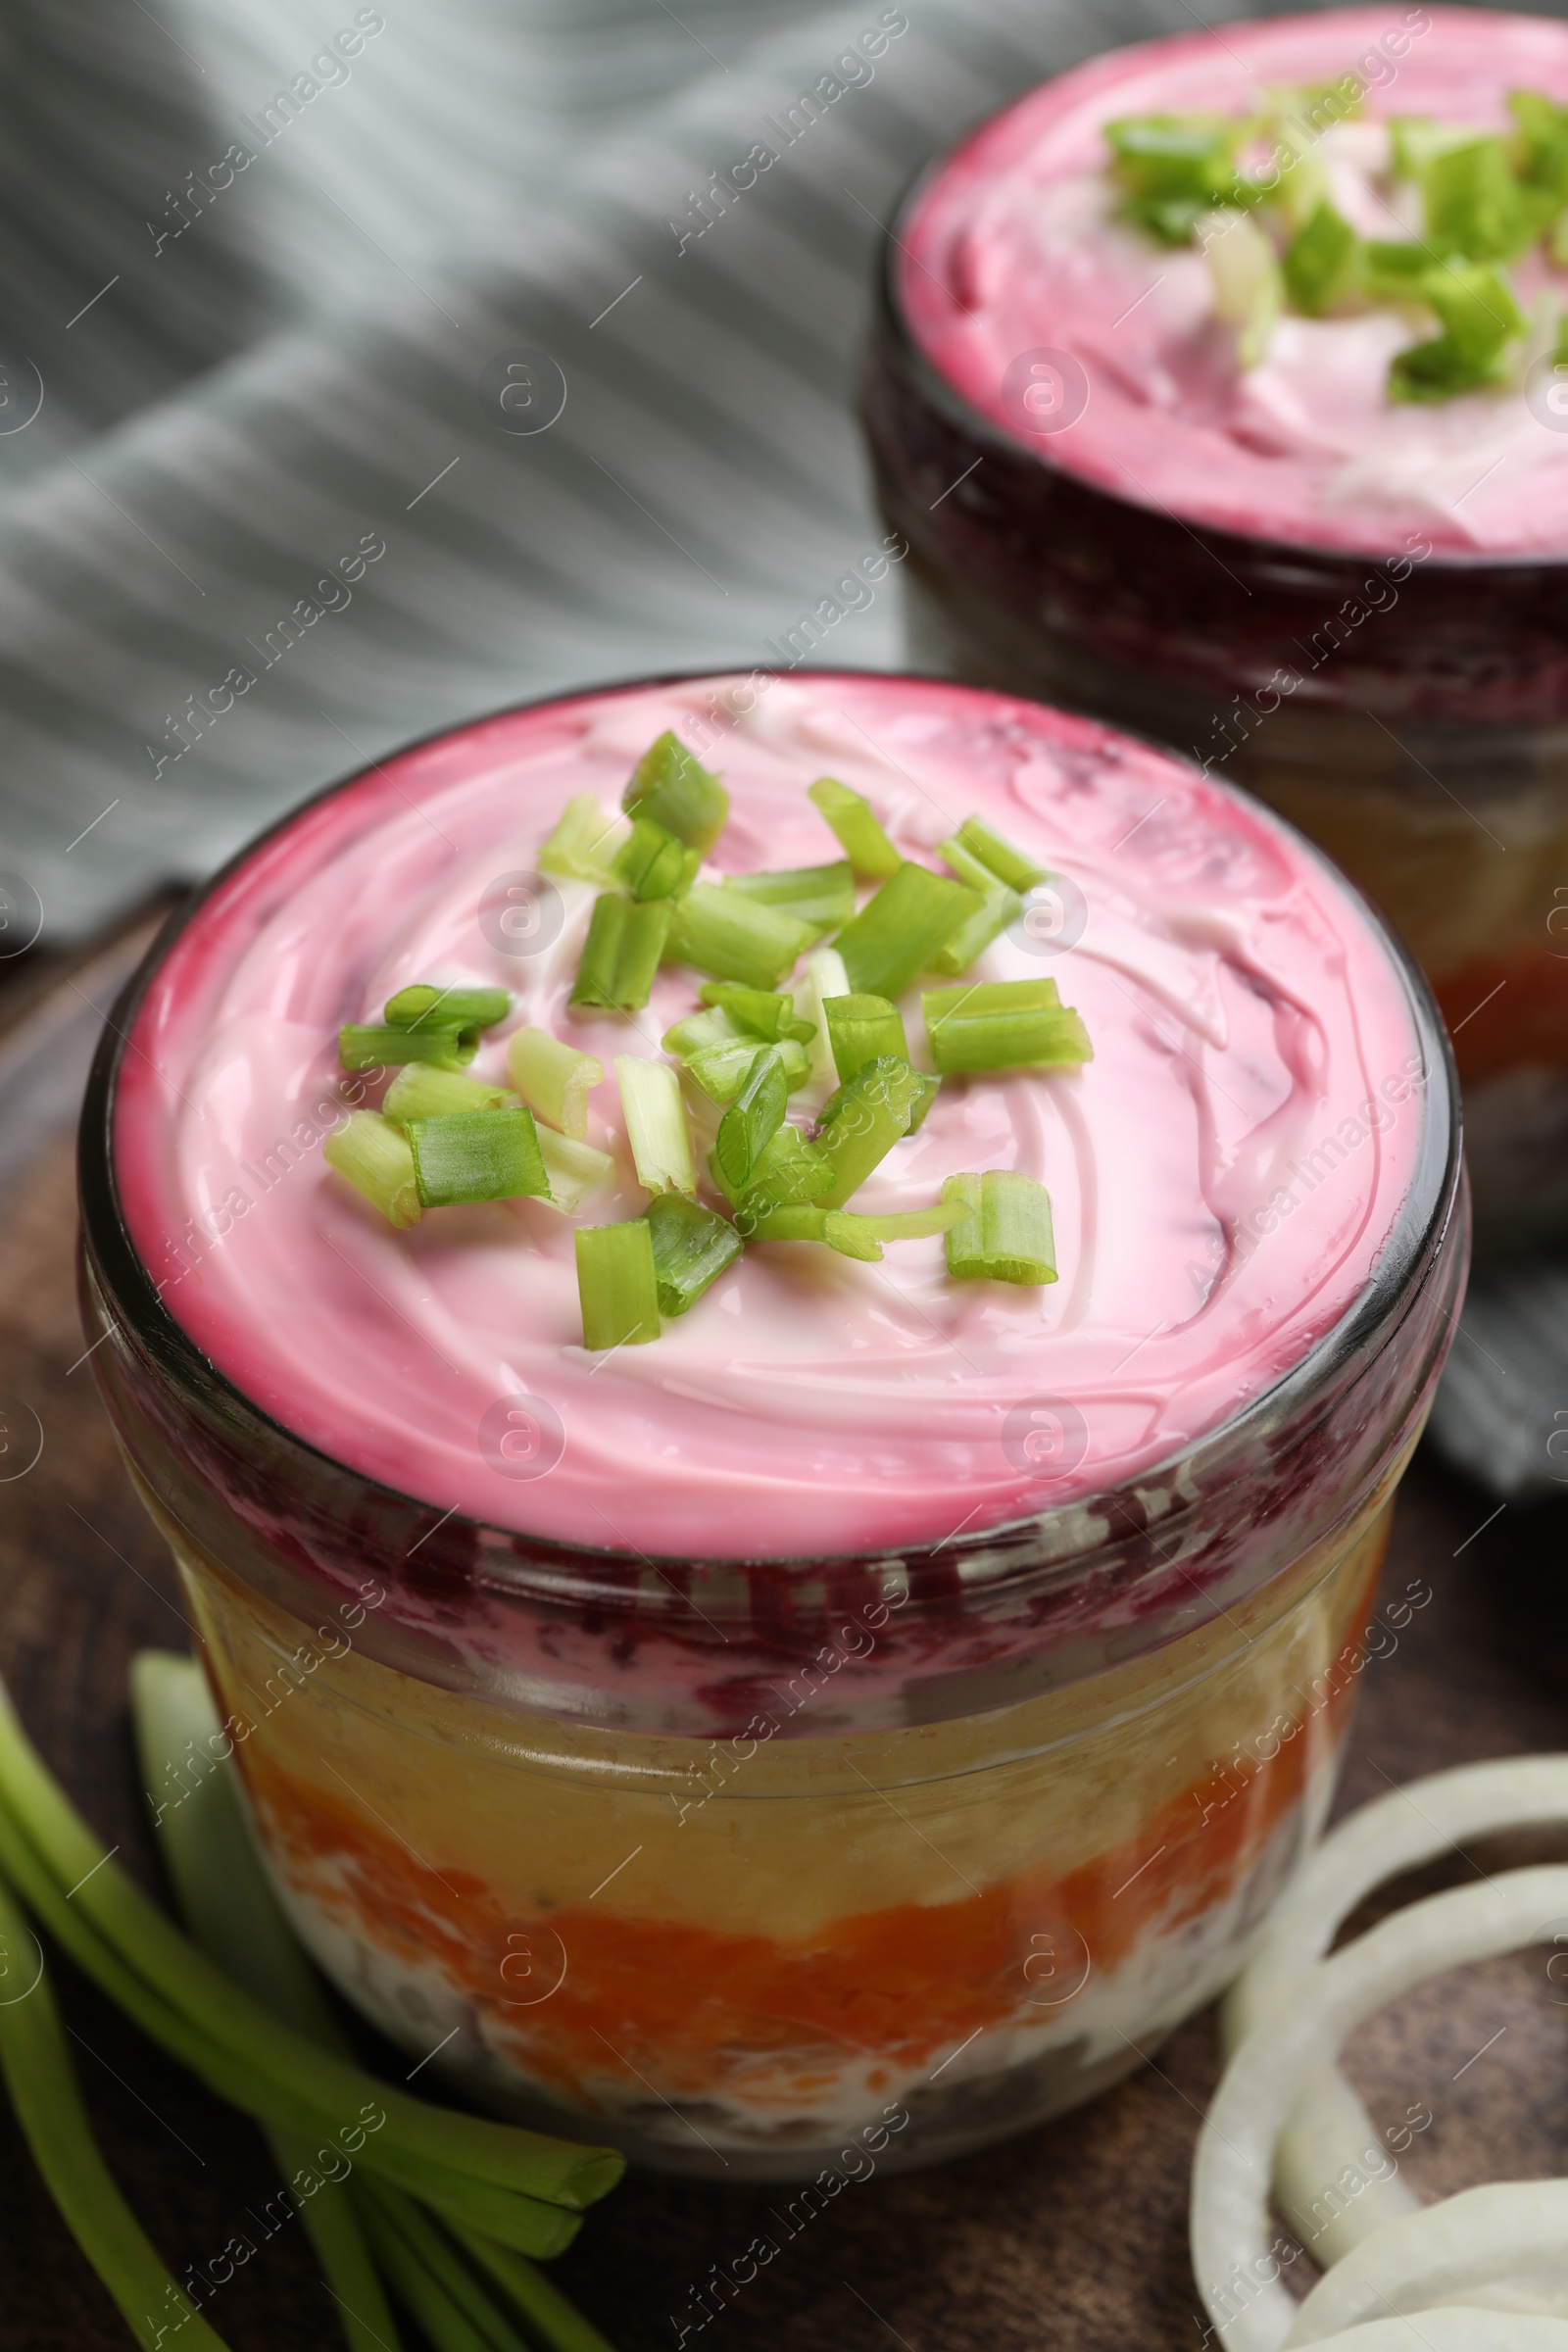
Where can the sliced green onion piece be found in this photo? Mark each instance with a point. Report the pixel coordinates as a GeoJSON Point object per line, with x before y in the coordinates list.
{"type": "Point", "coordinates": [822, 896]}
{"type": "Point", "coordinates": [418, 1091]}
{"type": "Point", "coordinates": [622, 952]}
{"type": "Point", "coordinates": [859, 1029]}
{"type": "Point", "coordinates": [787, 1169]}
{"type": "Point", "coordinates": [861, 1124]}
{"type": "Point", "coordinates": [654, 863]}
{"type": "Point", "coordinates": [1249, 287]}
{"type": "Point", "coordinates": [554, 1079]}
{"type": "Point", "coordinates": [466, 1156]}
{"type": "Point", "coordinates": [752, 1119]}
{"type": "Point", "coordinates": [1175, 168]}
{"type": "Point", "coordinates": [584, 841]}
{"type": "Point", "coordinates": [930, 1087]}
{"type": "Point", "coordinates": [1541, 144]}
{"type": "Point", "coordinates": [853, 818]}
{"type": "Point", "coordinates": [1390, 268]}
{"type": "Point", "coordinates": [905, 1224]}
{"type": "Point", "coordinates": [371, 1153]}
{"type": "Point", "coordinates": [1000, 858]}
{"type": "Point", "coordinates": [825, 977]}
{"type": "Point", "coordinates": [617, 1283]}
{"type": "Point", "coordinates": [1479, 317]}
{"type": "Point", "coordinates": [692, 1247]}
{"type": "Point", "coordinates": [731, 937]}
{"type": "Point", "coordinates": [669, 786]}
{"type": "Point", "coordinates": [766, 1013]}
{"type": "Point", "coordinates": [1002, 1025]}
{"type": "Point", "coordinates": [1006, 1235]}
{"type": "Point", "coordinates": [1419, 139]}
{"type": "Point", "coordinates": [426, 1006]}
{"type": "Point", "coordinates": [720, 1071]}
{"type": "Point", "coordinates": [700, 1032]}
{"type": "Point", "coordinates": [999, 904]}
{"type": "Point", "coordinates": [575, 1169]}
{"type": "Point", "coordinates": [1475, 207]}
{"type": "Point", "coordinates": [656, 1124]}
{"type": "Point", "coordinates": [792, 1221]}
{"type": "Point", "coordinates": [1321, 261]}
{"type": "Point", "coordinates": [897, 933]}
{"type": "Point", "coordinates": [368, 1046]}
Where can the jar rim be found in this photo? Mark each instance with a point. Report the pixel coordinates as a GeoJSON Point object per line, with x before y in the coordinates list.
{"type": "Point", "coordinates": [1370, 1321]}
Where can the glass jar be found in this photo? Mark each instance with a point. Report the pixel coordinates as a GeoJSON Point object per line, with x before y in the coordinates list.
{"type": "Point", "coordinates": [754, 1867]}
{"type": "Point", "coordinates": [1405, 703]}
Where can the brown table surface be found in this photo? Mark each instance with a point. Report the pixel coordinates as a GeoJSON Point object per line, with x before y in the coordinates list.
{"type": "Point", "coordinates": [1072, 2239]}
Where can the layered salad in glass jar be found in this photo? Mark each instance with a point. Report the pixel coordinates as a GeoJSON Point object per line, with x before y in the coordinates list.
{"type": "Point", "coordinates": [773, 1321]}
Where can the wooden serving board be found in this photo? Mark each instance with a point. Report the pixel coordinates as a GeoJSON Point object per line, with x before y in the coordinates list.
{"type": "Point", "coordinates": [1072, 2239]}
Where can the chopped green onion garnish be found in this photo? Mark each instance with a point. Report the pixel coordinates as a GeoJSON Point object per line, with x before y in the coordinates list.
{"type": "Point", "coordinates": [575, 1169]}
{"type": "Point", "coordinates": [368, 1046]}
{"type": "Point", "coordinates": [859, 1029]}
{"type": "Point", "coordinates": [861, 1124]}
{"type": "Point", "coordinates": [554, 1079]}
{"type": "Point", "coordinates": [425, 1005]}
{"type": "Point", "coordinates": [1002, 1025]}
{"type": "Point", "coordinates": [788, 1168]}
{"type": "Point", "coordinates": [897, 933]}
{"type": "Point", "coordinates": [930, 1087]}
{"type": "Point", "coordinates": [654, 863]}
{"type": "Point", "coordinates": [825, 977]}
{"type": "Point", "coordinates": [793, 1221]}
{"type": "Point", "coordinates": [765, 1012]}
{"type": "Point", "coordinates": [1321, 261]}
{"type": "Point", "coordinates": [850, 1234]}
{"type": "Point", "coordinates": [418, 1091]}
{"type": "Point", "coordinates": [1175, 168]}
{"type": "Point", "coordinates": [854, 819]}
{"type": "Point", "coordinates": [822, 896]}
{"type": "Point", "coordinates": [1418, 140]}
{"type": "Point", "coordinates": [692, 1247]}
{"type": "Point", "coordinates": [1543, 141]}
{"type": "Point", "coordinates": [1479, 315]}
{"type": "Point", "coordinates": [1391, 269]}
{"type": "Point", "coordinates": [467, 1156]}
{"type": "Point", "coordinates": [656, 1124]}
{"type": "Point", "coordinates": [617, 1283]}
{"type": "Point", "coordinates": [584, 841]}
{"type": "Point", "coordinates": [999, 856]}
{"type": "Point", "coordinates": [700, 1032]}
{"type": "Point", "coordinates": [752, 1119]}
{"type": "Point", "coordinates": [622, 952]}
{"type": "Point", "coordinates": [909, 1224]}
{"type": "Point", "coordinates": [731, 937]}
{"type": "Point", "coordinates": [374, 1155]}
{"type": "Point", "coordinates": [999, 904]}
{"type": "Point", "coordinates": [669, 786]}
{"type": "Point", "coordinates": [1249, 288]}
{"type": "Point", "coordinates": [1006, 1235]}
{"type": "Point", "coordinates": [720, 1071]}
{"type": "Point", "coordinates": [1475, 206]}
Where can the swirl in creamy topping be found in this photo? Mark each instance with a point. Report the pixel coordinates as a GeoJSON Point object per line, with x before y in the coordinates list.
{"type": "Point", "coordinates": [1223, 1174]}
{"type": "Point", "coordinates": [1014, 246]}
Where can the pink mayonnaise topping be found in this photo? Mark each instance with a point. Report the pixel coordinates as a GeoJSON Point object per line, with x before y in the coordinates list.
{"type": "Point", "coordinates": [1013, 247]}
{"type": "Point", "coordinates": [1223, 1173]}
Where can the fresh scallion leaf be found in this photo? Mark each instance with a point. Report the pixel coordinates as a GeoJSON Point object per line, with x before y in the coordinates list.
{"type": "Point", "coordinates": [850, 815]}
{"type": "Point", "coordinates": [852, 1236]}
{"type": "Point", "coordinates": [825, 977]}
{"type": "Point", "coordinates": [999, 856]}
{"type": "Point", "coordinates": [617, 1283]}
{"type": "Point", "coordinates": [1417, 140]}
{"type": "Point", "coordinates": [469, 1156]}
{"type": "Point", "coordinates": [554, 1079]}
{"type": "Point", "coordinates": [787, 1168]}
{"type": "Point", "coordinates": [1175, 168]}
{"type": "Point", "coordinates": [752, 1119]}
{"type": "Point", "coordinates": [720, 1071]}
{"type": "Point", "coordinates": [1321, 261]}
{"type": "Point", "coordinates": [368, 1046]}
{"type": "Point", "coordinates": [822, 896]}
{"type": "Point", "coordinates": [897, 933]}
{"type": "Point", "coordinates": [428, 1005]}
{"type": "Point", "coordinates": [859, 1029]}
{"type": "Point", "coordinates": [1006, 1233]}
{"type": "Point", "coordinates": [731, 937]}
{"type": "Point", "coordinates": [700, 1032]}
{"type": "Point", "coordinates": [692, 1247]}
{"type": "Point", "coordinates": [791, 1221]}
{"type": "Point", "coordinates": [418, 1091]}
{"type": "Point", "coordinates": [1541, 142]}
{"type": "Point", "coordinates": [1476, 208]}
{"type": "Point", "coordinates": [1245, 271]}
{"type": "Point", "coordinates": [674, 789]}
{"type": "Point", "coordinates": [575, 1169]}
{"type": "Point", "coordinates": [1002, 1025]}
{"type": "Point", "coordinates": [1480, 317]}
{"type": "Point", "coordinates": [904, 1224]}
{"type": "Point", "coordinates": [654, 863]}
{"type": "Point", "coordinates": [656, 1124]}
{"type": "Point", "coordinates": [557, 2322]}
{"type": "Point", "coordinates": [372, 1154]}
{"type": "Point", "coordinates": [765, 1012]}
{"type": "Point", "coordinates": [860, 1123]}
{"type": "Point", "coordinates": [1391, 269]}
{"type": "Point", "coordinates": [584, 841]}
{"type": "Point", "coordinates": [999, 904]}
{"type": "Point", "coordinates": [622, 952]}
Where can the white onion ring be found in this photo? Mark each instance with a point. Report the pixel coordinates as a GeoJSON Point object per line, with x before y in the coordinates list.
{"type": "Point", "coordinates": [1266, 2076]}
{"type": "Point", "coordinates": [1503, 2247]}
{"type": "Point", "coordinates": [1330, 2130]}
{"type": "Point", "coordinates": [1453, 2331]}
